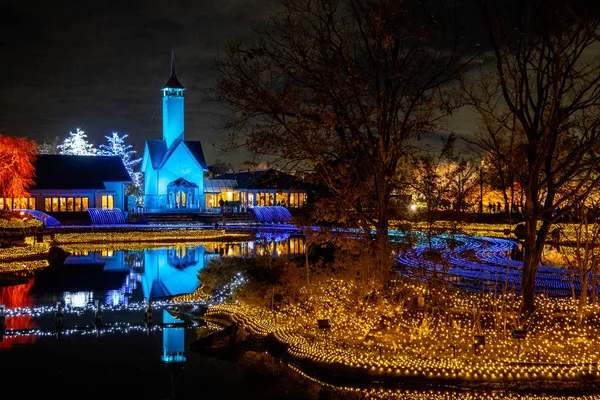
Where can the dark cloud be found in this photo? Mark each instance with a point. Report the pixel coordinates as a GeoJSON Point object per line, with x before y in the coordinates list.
{"type": "Point", "coordinates": [100, 65]}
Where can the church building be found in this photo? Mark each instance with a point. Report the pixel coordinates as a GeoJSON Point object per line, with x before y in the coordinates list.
{"type": "Point", "coordinates": [173, 167]}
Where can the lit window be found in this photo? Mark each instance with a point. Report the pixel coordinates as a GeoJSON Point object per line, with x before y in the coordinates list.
{"type": "Point", "coordinates": [108, 201]}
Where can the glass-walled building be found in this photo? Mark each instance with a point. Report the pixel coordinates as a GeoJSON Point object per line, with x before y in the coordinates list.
{"type": "Point", "coordinates": [247, 189]}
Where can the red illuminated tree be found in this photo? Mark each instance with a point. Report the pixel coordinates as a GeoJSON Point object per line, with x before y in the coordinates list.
{"type": "Point", "coordinates": [17, 172]}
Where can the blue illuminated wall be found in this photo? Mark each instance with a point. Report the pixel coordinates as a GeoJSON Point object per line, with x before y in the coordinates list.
{"type": "Point", "coordinates": [182, 164]}
{"type": "Point", "coordinates": [172, 114]}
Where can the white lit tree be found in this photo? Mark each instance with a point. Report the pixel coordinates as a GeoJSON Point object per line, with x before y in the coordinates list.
{"type": "Point", "coordinates": [77, 144]}
{"type": "Point", "coordinates": [116, 146]}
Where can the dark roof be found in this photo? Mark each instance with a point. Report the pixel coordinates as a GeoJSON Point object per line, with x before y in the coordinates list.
{"type": "Point", "coordinates": [173, 82]}
{"type": "Point", "coordinates": [77, 277]}
{"type": "Point", "coordinates": [264, 179]}
{"type": "Point", "coordinates": [159, 154]}
{"type": "Point", "coordinates": [157, 150]}
{"type": "Point", "coordinates": [158, 290]}
{"type": "Point", "coordinates": [78, 172]}
{"type": "Point", "coordinates": [195, 148]}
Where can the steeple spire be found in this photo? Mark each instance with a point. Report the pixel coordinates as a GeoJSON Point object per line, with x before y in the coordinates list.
{"type": "Point", "coordinates": [172, 94]}
{"type": "Point", "coordinates": [173, 82]}
{"type": "Point", "coordinates": [172, 62]}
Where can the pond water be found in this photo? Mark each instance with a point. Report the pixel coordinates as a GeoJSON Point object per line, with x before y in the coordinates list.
{"type": "Point", "coordinates": [126, 358]}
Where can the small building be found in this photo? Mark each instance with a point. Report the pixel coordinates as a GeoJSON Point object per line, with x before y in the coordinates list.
{"type": "Point", "coordinates": [173, 167]}
{"type": "Point", "coordinates": [68, 183]}
{"type": "Point", "coordinates": [247, 189]}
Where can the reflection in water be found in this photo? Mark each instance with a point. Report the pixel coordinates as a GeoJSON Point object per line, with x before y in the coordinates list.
{"type": "Point", "coordinates": [173, 340]}
{"type": "Point", "coordinates": [122, 282]}
{"type": "Point", "coordinates": [78, 299]}
{"type": "Point", "coordinates": [169, 272]}
{"type": "Point", "coordinates": [17, 296]}
{"type": "Point", "coordinates": [265, 244]}
{"type": "Point", "coordinates": [134, 276]}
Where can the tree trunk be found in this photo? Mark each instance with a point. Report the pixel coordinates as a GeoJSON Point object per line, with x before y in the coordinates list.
{"type": "Point", "coordinates": [582, 296]}
{"type": "Point", "coordinates": [382, 240]}
{"type": "Point", "coordinates": [532, 259]}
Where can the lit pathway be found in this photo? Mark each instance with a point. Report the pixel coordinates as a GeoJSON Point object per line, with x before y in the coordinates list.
{"type": "Point", "coordinates": [480, 263]}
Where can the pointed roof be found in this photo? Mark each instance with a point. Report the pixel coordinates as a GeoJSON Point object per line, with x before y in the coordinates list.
{"type": "Point", "coordinates": [173, 82]}
{"type": "Point", "coordinates": [182, 182]}
{"type": "Point", "coordinates": [159, 153]}
{"type": "Point", "coordinates": [195, 147]}
{"type": "Point", "coordinates": [156, 150]}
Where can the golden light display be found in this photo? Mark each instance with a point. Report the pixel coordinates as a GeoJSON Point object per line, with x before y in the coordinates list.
{"type": "Point", "coordinates": [393, 341]}
{"type": "Point", "coordinates": [111, 240]}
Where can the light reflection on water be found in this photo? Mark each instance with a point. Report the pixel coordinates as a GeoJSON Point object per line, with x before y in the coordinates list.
{"type": "Point", "coordinates": [134, 276]}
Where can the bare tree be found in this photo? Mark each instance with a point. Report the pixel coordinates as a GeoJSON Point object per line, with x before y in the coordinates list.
{"type": "Point", "coordinates": [462, 183]}
{"type": "Point", "coordinates": [502, 177]}
{"type": "Point", "coordinates": [340, 87]}
{"type": "Point", "coordinates": [219, 167]}
{"type": "Point", "coordinates": [581, 252]}
{"type": "Point", "coordinates": [430, 184]}
{"type": "Point", "coordinates": [539, 99]}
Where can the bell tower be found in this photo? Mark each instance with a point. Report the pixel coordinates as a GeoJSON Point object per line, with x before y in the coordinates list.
{"type": "Point", "coordinates": [172, 107]}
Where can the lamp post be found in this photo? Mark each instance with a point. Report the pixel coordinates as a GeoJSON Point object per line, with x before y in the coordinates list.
{"type": "Point", "coordinates": [481, 186]}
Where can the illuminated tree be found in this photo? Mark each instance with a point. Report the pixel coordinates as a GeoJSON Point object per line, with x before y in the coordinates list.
{"type": "Point", "coordinates": [433, 180]}
{"type": "Point", "coordinates": [76, 144]}
{"type": "Point", "coordinates": [117, 147]}
{"type": "Point", "coordinates": [430, 186]}
{"type": "Point", "coordinates": [539, 100]}
{"type": "Point", "coordinates": [340, 89]}
{"type": "Point", "coordinates": [17, 172]}
{"type": "Point", "coordinates": [502, 177]}
{"type": "Point", "coordinates": [462, 183]}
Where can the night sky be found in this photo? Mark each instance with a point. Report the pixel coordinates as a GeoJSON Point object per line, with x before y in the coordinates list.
{"type": "Point", "coordinates": [100, 66]}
